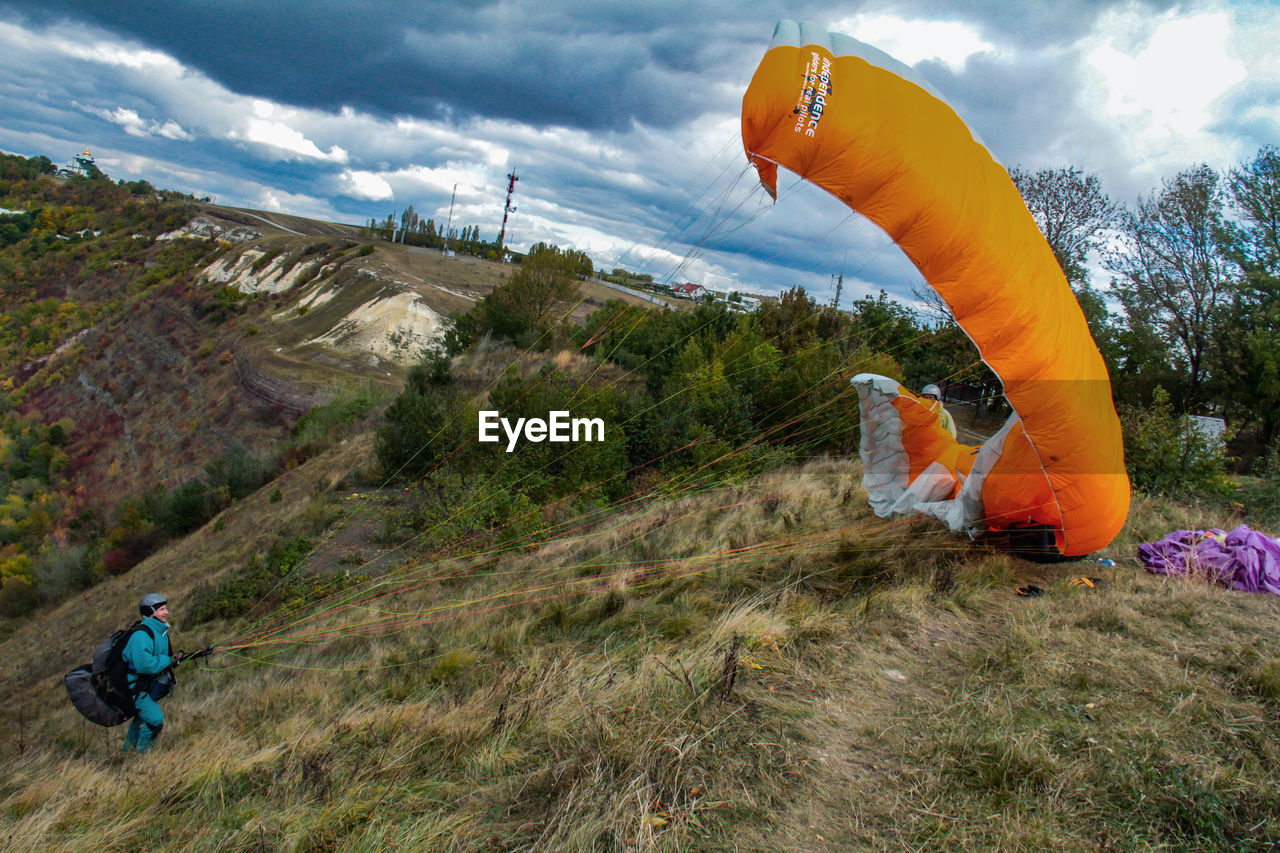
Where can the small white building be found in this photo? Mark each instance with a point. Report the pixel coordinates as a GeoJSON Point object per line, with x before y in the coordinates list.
{"type": "Point", "coordinates": [1214, 429]}
{"type": "Point", "coordinates": [688, 291]}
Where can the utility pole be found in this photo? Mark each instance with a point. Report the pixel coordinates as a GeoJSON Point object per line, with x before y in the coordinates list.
{"type": "Point", "coordinates": [507, 209]}
{"type": "Point", "coordinates": [449, 225]}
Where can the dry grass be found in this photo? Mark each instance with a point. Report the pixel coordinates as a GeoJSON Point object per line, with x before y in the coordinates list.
{"type": "Point", "coordinates": [759, 667]}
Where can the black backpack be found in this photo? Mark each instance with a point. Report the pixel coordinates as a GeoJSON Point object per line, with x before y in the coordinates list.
{"type": "Point", "coordinates": [100, 690]}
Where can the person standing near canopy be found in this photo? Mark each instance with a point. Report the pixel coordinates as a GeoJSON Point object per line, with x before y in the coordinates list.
{"type": "Point", "coordinates": [934, 393]}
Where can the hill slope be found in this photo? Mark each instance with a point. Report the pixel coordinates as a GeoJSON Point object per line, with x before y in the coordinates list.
{"type": "Point", "coordinates": [761, 667]}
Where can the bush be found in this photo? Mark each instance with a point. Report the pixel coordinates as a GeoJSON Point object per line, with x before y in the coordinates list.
{"type": "Point", "coordinates": [1166, 454]}
{"type": "Point", "coordinates": [18, 596]}
{"type": "Point", "coordinates": [422, 426]}
{"type": "Point", "coordinates": [237, 471]}
{"type": "Point", "coordinates": [323, 422]}
{"type": "Point", "coordinates": [63, 570]}
{"type": "Point", "coordinates": [260, 582]}
{"type": "Point", "coordinates": [187, 507]}
{"type": "Point", "coordinates": [272, 583]}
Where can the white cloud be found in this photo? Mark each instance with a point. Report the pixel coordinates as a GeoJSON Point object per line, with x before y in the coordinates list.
{"type": "Point", "coordinates": [1163, 87]}
{"type": "Point", "coordinates": [136, 125]}
{"type": "Point", "coordinates": [172, 130]}
{"type": "Point", "coordinates": [270, 200]}
{"type": "Point", "coordinates": [913, 40]}
{"type": "Point", "coordinates": [362, 184]}
{"type": "Point", "coordinates": [1171, 84]}
{"type": "Point", "coordinates": [278, 135]}
{"type": "Point", "coordinates": [298, 204]}
{"type": "Point", "coordinates": [78, 43]}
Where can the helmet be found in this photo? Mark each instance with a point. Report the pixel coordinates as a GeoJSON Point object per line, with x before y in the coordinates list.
{"type": "Point", "coordinates": [150, 603]}
{"type": "Point", "coordinates": [931, 389]}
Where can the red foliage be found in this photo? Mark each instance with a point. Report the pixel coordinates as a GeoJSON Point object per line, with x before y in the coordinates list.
{"type": "Point", "coordinates": [117, 561]}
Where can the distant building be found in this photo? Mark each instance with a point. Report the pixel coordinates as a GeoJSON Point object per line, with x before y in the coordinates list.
{"type": "Point", "coordinates": [688, 291]}
{"type": "Point", "coordinates": [1214, 430]}
{"type": "Point", "coordinates": [82, 165]}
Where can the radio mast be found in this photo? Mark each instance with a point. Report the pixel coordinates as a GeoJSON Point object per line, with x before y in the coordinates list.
{"type": "Point", "coordinates": [835, 303]}
{"type": "Point", "coordinates": [507, 209]}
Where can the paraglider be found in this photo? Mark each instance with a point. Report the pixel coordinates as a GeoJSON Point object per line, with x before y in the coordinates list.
{"type": "Point", "coordinates": [864, 127]}
{"type": "Point", "coordinates": [132, 670]}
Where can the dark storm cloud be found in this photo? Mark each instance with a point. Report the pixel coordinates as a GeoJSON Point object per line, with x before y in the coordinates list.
{"type": "Point", "coordinates": [613, 114]}
{"type": "Point", "coordinates": [1031, 25]}
{"type": "Point", "coordinates": [586, 65]}
{"type": "Point", "coordinates": [577, 65]}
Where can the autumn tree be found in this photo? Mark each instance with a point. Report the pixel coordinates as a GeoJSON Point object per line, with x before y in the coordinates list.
{"type": "Point", "coordinates": [1247, 361]}
{"type": "Point", "coordinates": [1172, 274]}
{"type": "Point", "coordinates": [521, 310]}
{"type": "Point", "coordinates": [1072, 212]}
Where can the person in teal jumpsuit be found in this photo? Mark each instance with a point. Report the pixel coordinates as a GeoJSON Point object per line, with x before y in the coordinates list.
{"type": "Point", "coordinates": [147, 655]}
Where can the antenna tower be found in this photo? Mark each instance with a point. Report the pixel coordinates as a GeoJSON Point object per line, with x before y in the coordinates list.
{"type": "Point", "coordinates": [835, 303]}
{"type": "Point", "coordinates": [507, 209]}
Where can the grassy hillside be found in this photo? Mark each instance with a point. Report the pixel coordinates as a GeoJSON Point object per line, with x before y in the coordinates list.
{"type": "Point", "coordinates": [757, 667]}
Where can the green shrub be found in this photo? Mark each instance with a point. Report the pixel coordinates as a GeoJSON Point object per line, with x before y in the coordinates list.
{"type": "Point", "coordinates": [237, 471]}
{"type": "Point", "coordinates": [62, 570]}
{"type": "Point", "coordinates": [270, 583]}
{"type": "Point", "coordinates": [322, 422]}
{"type": "Point", "coordinates": [187, 507]}
{"type": "Point", "coordinates": [1166, 454]}
{"type": "Point", "coordinates": [270, 255]}
{"type": "Point", "coordinates": [422, 425]}
{"type": "Point", "coordinates": [18, 596]}
{"type": "Point", "coordinates": [452, 507]}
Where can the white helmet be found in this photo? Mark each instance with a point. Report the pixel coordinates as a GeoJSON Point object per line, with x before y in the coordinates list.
{"type": "Point", "coordinates": [150, 603]}
{"type": "Point", "coordinates": [931, 389]}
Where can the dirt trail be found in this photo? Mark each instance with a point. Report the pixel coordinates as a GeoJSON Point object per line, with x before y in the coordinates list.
{"type": "Point", "coordinates": [859, 771]}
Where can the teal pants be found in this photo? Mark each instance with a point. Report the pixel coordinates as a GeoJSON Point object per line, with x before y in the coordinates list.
{"type": "Point", "coordinates": [145, 727]}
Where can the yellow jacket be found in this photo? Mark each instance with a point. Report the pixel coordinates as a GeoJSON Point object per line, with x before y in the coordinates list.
{"type": "Point", "coordinates": [944, 417]}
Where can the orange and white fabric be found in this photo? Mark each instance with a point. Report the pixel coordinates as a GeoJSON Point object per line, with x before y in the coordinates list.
{"type": "Point", "coordinates": [863, 126]}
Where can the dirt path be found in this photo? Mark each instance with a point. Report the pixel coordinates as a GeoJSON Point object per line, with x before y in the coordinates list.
{"type": "Point", "coordinates": [860, 777]}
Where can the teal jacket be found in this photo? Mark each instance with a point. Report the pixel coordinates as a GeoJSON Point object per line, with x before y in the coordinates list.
{"type": "Point", "coordinates": [145, 656]}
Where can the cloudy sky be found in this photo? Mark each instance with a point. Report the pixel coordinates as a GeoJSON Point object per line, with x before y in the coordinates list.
{"type": "Point", "coordinates": [620, 118]}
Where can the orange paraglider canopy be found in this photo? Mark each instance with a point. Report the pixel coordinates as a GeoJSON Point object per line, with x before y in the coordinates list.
{"type": "Point", "coordinates": [865, 128]}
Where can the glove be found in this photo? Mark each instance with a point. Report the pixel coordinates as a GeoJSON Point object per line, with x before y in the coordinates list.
{"type": "Point", "coordinates": [177, 659]}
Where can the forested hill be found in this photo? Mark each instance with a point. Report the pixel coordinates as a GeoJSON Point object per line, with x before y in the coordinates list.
{"type": "Point", "coordinates": [159, 356]}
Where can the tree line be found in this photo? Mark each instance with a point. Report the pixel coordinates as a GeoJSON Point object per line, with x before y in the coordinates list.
{"type": "Point", "coordinates": [413, 230]}
{"type": "Point", "coordinates": [1188, 322]}
{"type": "Point", "coordinates": [1192, 306]}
